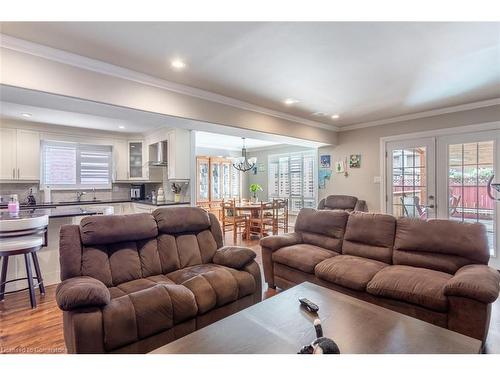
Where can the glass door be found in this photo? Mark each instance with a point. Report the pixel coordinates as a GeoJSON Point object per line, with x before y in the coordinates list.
{"type": "Point", "coordinates": [410, 185]}
{"type": "Point", "coordinates": [466, 162]}
{"type": "Point", "coordinates": [135, 160]}
{"type": "Point", "coordinates": [215, 180]}
{"type": "Point", "coordinates": [202, 166]}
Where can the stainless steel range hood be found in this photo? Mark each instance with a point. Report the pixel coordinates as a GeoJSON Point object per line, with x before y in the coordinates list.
{"type": "Point", "coordinates": [158, 155]}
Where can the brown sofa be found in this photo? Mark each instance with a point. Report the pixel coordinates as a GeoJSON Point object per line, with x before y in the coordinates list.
{"type": "Point", "coordinates": [342, 202]}
{"type": "Point", "coordinates": [131, 283]}
{"type": "Point", "coordinates": [432, 270]}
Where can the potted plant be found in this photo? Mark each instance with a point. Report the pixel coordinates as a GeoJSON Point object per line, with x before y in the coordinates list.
{"type": "Point", "coordinates": [254, 188]}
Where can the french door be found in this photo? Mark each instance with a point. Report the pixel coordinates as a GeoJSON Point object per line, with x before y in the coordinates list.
{"type": "Point", "coordinates": [445, 177]}
{"type": "Point", "coordinates": [465, 163]}
{"type": "Point", "coordinates": [411, 188]}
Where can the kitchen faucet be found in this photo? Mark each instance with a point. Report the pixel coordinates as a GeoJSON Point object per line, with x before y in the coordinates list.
{"type": "Point", "coordinates": [79, 195]}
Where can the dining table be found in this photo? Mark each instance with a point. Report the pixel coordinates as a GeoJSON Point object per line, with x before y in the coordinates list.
{"type": "Point", "coordinates": [253, 209]}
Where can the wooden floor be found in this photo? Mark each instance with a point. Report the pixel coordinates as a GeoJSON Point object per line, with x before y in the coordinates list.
{"type": "Point", "coordinates": [26, 330]}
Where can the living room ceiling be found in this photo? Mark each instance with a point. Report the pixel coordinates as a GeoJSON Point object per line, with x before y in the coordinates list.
{"type": "Point", "coordinates": [361, 72]}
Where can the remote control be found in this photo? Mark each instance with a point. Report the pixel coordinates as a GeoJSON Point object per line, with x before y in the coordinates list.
{"type": "Point", "coordinates": [312, 307]}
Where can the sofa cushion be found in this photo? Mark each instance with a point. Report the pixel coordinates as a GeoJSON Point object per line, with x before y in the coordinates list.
{"type": "Point", "coordinates": [370, 235]}
{"type": "Point", "coordinates": [340, 202]}
{"type": "Point", "coordinates": [107, 229]}
{"type": "Point", "coordinates": [143, 313]}
{"type": "Point", "coordinates": [419, 286]}
{"type": "Point", "coordinates": [441, 245]}
{"type": "Point", "coordinates": [214, 285]}
{"type": "Point", "coordinates": [234, 256]}
{"type": "Point", "coordinates": [173, 220]}
{"type": "Point", "coordinates": [82, 291]}
{"type": "Point", "coordinates": [348, 271]}
{"type": "Point", "coordinates": [323, 228]}
{"type": "Point", "coordinates": [303, 257]}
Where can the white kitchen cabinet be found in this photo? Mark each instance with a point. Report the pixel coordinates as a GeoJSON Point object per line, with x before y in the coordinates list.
{"type": "Point", "coordinates": [28, 155]}
{"type": "Point", "coordinates": [19, 154]}
{"type": "Point", "coordinates": [179, 154]}
{"type": "Point", "coordinates": [137, 161]}
{"type": "Point", "coordinates": [120, 160]}
{"type": "Point", "coordinates": [8, 154]}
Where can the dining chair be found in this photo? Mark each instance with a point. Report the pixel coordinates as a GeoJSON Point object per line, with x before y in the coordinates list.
{"type": "Point", "coordinates": [281, 214]}
{"type": "Point", "coordinates": [259, 223]}
{"type": "Point", "coordinates": [230, 219]}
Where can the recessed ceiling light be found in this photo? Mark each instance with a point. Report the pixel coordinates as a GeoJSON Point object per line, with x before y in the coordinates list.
{"type": "Point", "coordinates": [178, 64]}
{"type": "Point", "coordinates": [290, 101]}
{"type": "Point", "coordinates": [27, 115]}
{"type": "Point", "coordinates": [335, 117]}
{"type": "Point", "coordinates": [121, 127]}
{"type": "Point", "coordinates": [319, 114]}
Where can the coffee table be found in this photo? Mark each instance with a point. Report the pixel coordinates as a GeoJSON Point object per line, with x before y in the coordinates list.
{"type": "Point", "coordinates": [279, 325]}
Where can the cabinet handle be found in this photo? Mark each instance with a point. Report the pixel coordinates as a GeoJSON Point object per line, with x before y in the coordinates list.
{"type": "Point", "coordinates": [18, 173]}
{"type": "Point", "coordinates": [13, 173]}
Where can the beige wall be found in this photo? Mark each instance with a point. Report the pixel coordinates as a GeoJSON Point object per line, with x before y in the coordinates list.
{"type": "Point", "coordinates": [366, 142]}
{"type": "Point", "coordinates": [36, 73]}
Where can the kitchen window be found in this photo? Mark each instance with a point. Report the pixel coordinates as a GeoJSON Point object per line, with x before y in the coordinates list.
{"type": "Point", "coordinates": [292, 176]}
{"type": "Point", "coordinates": [67, 165]}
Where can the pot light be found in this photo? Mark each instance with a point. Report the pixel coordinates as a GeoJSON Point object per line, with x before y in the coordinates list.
{"type": "Point", "coordinates": [27, 115]}
{"type": "Point", "coordinates": [335, 117]}
{"type": "Point", "coordinates": [290, 101]}
{"type": "Point", "coordinates": [121, 127]}
{"type": "Point", "coordinates": [178, 64]}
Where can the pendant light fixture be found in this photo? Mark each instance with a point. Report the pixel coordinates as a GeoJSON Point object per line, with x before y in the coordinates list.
{"type": "Point", "coordinates": [243, 163]}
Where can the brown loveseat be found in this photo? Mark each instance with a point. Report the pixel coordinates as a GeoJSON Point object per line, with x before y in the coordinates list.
{"type": "Point", "coordinates": [342, 202]}
{"type": "Point", "coordinates": [432, 270]}
{"type": "Point", "coordinates": [131, 283]}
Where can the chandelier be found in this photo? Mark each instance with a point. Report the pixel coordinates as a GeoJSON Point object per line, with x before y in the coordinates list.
{"type": "Point", "coordinates": [243, 163]}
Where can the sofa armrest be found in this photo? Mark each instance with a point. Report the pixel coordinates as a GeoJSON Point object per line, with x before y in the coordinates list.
{"type": "Point", "coordinates": [234, 256]}
{"type": "Point", "coordinates": [81, 291]}
{"type": "Point", "coordinates": [476, 281]}
{"type": "Point", "coordinates": [361, 206]}
{"type": "Point", "coordinates": [277, 242]}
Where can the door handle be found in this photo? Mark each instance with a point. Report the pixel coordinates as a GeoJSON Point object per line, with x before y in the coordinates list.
{"type": "Point", "coordinates": [430, 206]}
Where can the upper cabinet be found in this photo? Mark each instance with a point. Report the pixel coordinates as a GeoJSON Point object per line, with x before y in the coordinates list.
{"type": "Point", "coordinates": [179, 154]}
{"type": "Point", "coordinates": [19, 154]}
{"type": "Point", "coordinates": [120, 160]}
{"type": "Point", "coordinates": [137, 161]}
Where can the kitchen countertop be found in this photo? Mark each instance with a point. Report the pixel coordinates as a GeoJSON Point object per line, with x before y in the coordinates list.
{"type": "Point", "coordinates": [51, 213]}
{"type": "Point", "coordinates": [98, 201]}
{"type": "Point", "coordinates": [166, 203]}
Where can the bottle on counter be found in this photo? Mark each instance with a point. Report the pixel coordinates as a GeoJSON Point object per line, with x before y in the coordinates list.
{"type": "Point", "coordinates": [160, 198]}
{"type": "Point", "coordinates": [153, 197]}
{"type": "Point", "coordinates": [13, 206]}
{"type": "Point", "coordinates": [47, 194]}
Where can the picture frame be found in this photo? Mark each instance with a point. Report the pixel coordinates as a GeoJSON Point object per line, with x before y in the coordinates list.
{"type": "Point", "coordinates": [325, 161]}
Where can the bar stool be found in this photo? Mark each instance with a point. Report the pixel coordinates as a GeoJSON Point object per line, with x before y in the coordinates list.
{"type": "Point", "coordinates": [23, 234]}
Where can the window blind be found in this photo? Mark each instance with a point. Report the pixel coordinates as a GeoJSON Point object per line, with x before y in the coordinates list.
{"type": "Point", "coordinates": [73, 165]}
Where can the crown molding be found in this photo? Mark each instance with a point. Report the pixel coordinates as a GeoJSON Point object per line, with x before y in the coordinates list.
{"type": "Point", "coordinates": [68, 58]}
{"type": "Point", "coordinates": [418, 115]}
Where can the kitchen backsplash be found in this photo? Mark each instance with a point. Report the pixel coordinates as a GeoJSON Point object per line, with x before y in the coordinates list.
{"type": "Point", "coordinates": [118, 191]}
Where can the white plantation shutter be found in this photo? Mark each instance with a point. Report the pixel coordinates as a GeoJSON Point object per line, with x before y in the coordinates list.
{"type": "Point", "coordinates": [68, 165]}
{"type": "Point", "coordinates": [292, 176]}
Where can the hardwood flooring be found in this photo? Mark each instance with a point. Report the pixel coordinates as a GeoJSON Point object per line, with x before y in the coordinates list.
{"type": "Point", "coordinates": [26, 330]}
